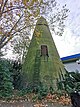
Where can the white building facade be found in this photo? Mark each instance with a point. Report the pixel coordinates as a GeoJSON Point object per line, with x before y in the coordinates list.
{"type": "Point", "coordinates": [72, 63]}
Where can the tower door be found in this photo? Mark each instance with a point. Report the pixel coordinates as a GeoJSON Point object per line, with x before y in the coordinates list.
{"type": "Point", "coordinates": [44, 51]}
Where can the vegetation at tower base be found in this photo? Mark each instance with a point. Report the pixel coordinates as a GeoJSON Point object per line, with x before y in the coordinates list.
{"type": "Point", "coordinates": [6, 86]}
{"type": "Point", "coordinates": [46, 68]}
{"type": "Point", "coordinates": [71, 82]}
{"type": "Point", "coordinates": [11, 77]}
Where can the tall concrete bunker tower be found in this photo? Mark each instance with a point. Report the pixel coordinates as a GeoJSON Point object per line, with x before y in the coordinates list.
{"type": "Point", "coordinates": [42, 63]}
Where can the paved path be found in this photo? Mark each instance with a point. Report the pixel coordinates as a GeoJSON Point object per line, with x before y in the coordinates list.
{"type": "Point", "coordinates": [27, 104]}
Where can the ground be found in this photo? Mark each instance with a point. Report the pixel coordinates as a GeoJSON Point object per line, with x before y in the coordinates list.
{"type": "Point", "coordinates": [29, 104]}
{"type": "Point", "coordinates": [51, 100]}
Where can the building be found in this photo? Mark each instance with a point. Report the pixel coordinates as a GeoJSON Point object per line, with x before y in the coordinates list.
{"type": "Point", "coordinates": [72, 62]}
{"type": "Point", "coordinates": [42, 63]}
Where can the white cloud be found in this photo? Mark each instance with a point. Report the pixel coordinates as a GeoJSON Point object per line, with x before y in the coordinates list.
{"type": "Point", "coordinates": [69, 43]}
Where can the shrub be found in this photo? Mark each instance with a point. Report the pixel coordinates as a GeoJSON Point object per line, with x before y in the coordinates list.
{"type": "Point", "coordinates": [6, 86]}
{"type": "Point", "coordinates": [17, 75]}
{"type": "Point", "coordinates": [71, 82]}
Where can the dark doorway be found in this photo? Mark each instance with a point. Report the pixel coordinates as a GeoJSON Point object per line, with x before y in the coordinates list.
{"type": "Point", "coordinates": [44, 51]}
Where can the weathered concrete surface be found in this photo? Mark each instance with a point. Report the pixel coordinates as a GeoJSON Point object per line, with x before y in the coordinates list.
{"type": "Point", "coordinates": [44, 68]}
{"type": "Point", "coordinates": [28, 104]}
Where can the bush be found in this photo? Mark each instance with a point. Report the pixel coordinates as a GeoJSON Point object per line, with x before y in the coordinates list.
{"type": "Point", "coordinates": [6, 86]}
{"type": "Point", "coordinates": [17, 75]}
{"type": "Point", "coordinates": [71, 82]}
{"type": "Point", "coordinates": [40, 91]}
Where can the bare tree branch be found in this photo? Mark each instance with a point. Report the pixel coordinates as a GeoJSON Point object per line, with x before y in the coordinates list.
{"type": "Point", "coordinates": [3, 5]}
{"type": "Point", "coordinates": [8, 34]}
{"type": "Point", "coordinates": [2, 45]}
{"type": "Point", "coordinates": [16, 23]}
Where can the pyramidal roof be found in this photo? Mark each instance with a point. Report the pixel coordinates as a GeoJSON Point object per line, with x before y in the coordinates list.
{"type": "Point", "coordinates": [43, 65]}
{"type": "Point", "coordinates": [42, 21]}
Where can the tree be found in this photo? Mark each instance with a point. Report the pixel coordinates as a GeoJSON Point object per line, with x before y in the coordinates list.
{"type": "Point", "coordinates": [55, 16]}
{"type": "Point", "coordinates": [16, 15]}
{"type": "Point", "coordinates": [20, 46]}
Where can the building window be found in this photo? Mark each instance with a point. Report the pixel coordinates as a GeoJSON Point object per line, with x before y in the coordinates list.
{"type": "Point", "coordinates": [44, 51]}
{"type": "Point", "coordinates": [78, 61]}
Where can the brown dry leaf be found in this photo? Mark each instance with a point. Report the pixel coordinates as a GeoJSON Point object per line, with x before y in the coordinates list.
{"type": "Point", "coordinates": [65, 101]}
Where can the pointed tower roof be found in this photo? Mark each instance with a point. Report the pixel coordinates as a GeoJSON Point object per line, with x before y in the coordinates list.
{"type": "Point", "coordinates": [42, 63]}
{"type": "Point", "coordinates": [42, 21]}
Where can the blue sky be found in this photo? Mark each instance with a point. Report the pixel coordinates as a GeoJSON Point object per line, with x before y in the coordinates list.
{"type": "Point", "coordinates": [69, 43]}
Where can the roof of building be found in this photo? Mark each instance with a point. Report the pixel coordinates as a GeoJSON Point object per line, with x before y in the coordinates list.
{"type": "Point", "coordinates": [71, 58]}
{"type": "Point", "coordinates": [42, 21]}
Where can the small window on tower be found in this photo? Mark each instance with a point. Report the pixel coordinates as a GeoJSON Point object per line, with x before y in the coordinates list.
{"type": "Point", "coordinates": [44, 50]}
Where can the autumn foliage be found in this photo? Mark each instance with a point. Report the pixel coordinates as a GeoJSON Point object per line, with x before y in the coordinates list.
{"type": "Point", "coordinates": [16, 15]}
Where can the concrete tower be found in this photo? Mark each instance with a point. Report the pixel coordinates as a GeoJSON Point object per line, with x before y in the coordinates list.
{"type": "Point", "coordinates": [42, 63]}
